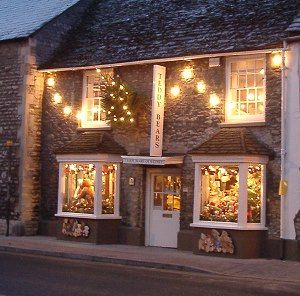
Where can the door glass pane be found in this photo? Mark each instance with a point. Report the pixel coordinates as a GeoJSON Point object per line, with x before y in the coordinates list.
{"type": "Point", "coordinates": [157, 202]}
{"type": "Point", "coordinates": [168, 202]}
{"type": "Point", "coordinates": [166, 193]}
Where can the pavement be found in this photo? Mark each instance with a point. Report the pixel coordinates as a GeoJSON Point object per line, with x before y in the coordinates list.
{"type": "Point", "coordinates": [154, 257]}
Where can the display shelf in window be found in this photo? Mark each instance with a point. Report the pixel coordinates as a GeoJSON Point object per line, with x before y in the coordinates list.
{"type": "Point", "coordinates": [231, 194]}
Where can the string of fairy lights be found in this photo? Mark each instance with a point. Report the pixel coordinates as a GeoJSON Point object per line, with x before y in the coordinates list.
{"type": "Point", "coordinates": [119, 104]}
{"type": "Point", "coordinates": [116, 99]}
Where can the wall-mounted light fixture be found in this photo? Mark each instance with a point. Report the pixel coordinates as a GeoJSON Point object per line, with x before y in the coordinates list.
{"type": "Point", "coordinates": [214, 100]}
{"type": "Point", "coordinates": [187, 73]}
{"type": "Point", "coordinates": [276, 60]}
{"type": "Point", "coordinates": [201, 87]}
{"type": "Point", "coordinates": [175, 91]}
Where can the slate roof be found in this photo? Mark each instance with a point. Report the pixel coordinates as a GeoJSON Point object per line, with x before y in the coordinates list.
{"type": "Point", "coordinates": [295, 26]}
{"type": "Point", "coordinates": [92, 143]}
{"type": "Point", "coordinates": [134, 30]}
{"type": "Point", "coordinates": [21, 18]}
{"type": "Point", "coordinates": [232, 141]}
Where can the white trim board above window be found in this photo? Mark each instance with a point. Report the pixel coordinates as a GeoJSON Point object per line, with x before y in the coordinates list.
{"type": "Point", "coordinates": [245, 89]}
{"type": "Point", "coordinates": [93, 115]}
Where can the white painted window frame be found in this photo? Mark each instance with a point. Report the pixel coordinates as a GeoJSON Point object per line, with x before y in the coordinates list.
{"type": "Point", "coordinates": [98, 160]}
{"type": "Point", "coordinates": [84, 122]}
{"type": "Point", "coordinates": [260, 118]}
{"type": "Point", "coordinates": [242, 162]}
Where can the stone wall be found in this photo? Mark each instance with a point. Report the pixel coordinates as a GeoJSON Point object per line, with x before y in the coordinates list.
{"type": "Point", "coordinates": [11, 83]}
{"type": "Point", "coordinates": [188, 122]}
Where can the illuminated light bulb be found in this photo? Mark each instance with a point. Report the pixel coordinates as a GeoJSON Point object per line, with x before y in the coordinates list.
{"type": "Point", "coordinates": [250, 96]}
{"type": "Point", "coordinates": [102, 77]}
{"type": "Point", "coordinates": [115, 119]}
{"type": "Point", "coordinates": [98, 70]}
{"type": "Point", "coordinates": [112, 95]}
{"type": "Point", "coordinates": [126, 92]}
{"type": "Point", "coordinates": [175, 91]}
{"type": "Point", "coordinates": [112, 107]}
{"type": "Point", "coordinates": [79, 116]}
{"type": "Point", "coordinates": [214, 100]}
{"type": "Point", "coordinates": [201, 87]}
{"type": "Point", "coordinates": [128, 113]}
{"type": "Point", "coordinates": [131, 120]}
{"type": "Point", "coordinates": [113, 83]}
{"type": "Point", "coordinates": [67, 110]}
{"type": "Point", "coordinates": [262, 72]}
{"type": "Point", "coordinates": [57, 98]}
{"type": "Point", "coordinates": [122, 118]}
{"type": "Point", "coordinates": [51, 81]}
{"type": "Point", "coordinates": [187, 73]}
{"type": "Point", "coordinates": [108, 112]}
{"type": "Point", "coordinates": [125, 107]}
{"type": "Point", "coordinates": [121, 87]}
{"type": "Point", "coordinates": [121, 99]}
{"type": "Point", "coordinates": [276, 60]}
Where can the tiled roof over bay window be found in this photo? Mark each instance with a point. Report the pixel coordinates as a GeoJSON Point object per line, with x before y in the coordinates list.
{"type": "Point", "coordinates": [232, 141]}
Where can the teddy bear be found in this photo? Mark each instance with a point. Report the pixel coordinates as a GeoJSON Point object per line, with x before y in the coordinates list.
{"type": "Point", "coordinates": [226, 243]}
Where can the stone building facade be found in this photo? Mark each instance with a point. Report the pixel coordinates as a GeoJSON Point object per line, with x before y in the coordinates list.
{"type": "Point", "coordinates": [189, 121]}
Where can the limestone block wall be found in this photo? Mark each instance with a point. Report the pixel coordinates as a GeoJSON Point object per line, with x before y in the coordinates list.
{"type": "Point", "coordinates": [189, 121]}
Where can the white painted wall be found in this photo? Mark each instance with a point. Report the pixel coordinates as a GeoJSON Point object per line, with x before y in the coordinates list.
{"type": "Point", "coordinates": [291, 202]}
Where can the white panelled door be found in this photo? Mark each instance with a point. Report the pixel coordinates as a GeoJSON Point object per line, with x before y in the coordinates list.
{"type": "Point", "coordinates": [164, 209]}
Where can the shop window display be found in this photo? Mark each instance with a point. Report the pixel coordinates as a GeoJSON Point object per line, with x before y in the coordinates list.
{"type": "Point", "coordinates": [223, 191]}
{"type": "Point", "coordinates": [79, 188]}
{"type": "Point", "coordinates": [220, 189]}
{"type": "Point", "coordinates": [108, 188]}
{"type": "Point", "coordinates": [254, 183]}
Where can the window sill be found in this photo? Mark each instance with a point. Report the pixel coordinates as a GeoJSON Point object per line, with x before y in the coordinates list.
{"type": "Point", "coordinates": [104, 128]}
{"type": "Point", "coordinates": [227, 225]}
{"type": "Point", "coordinates": [88, 216]}
{"type": "Point", "coordinates": [241, 124]}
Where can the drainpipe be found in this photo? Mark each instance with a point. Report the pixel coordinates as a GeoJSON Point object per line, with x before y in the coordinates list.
{"type": "Point", "coordinates": [283, 135]}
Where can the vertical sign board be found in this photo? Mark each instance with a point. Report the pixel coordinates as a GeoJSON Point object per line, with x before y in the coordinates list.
{"type": "Point", "coordinates": [158, 106]}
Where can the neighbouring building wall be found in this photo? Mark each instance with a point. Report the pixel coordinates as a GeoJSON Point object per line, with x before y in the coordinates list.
{"type": "Point", "coordinates": [12, 55]}
{"type": "Point", "coordinates": [291, 202]}
{"type": "Point", "coordinates": [21, 92]}
{"type": "Point", "coordinates": [189, 121]}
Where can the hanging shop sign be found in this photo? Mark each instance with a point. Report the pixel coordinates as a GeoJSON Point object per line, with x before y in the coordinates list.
{"type": "Point", "coordinates": [147, 160]}
{"type": "Point", "coordinates": [158, 105]}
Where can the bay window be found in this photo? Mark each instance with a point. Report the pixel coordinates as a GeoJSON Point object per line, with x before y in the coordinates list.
{"type": "Point", "coordinates": [88, 188]}
{"type": "Point", "coordinates": [246, 90]}
{"type": "Point", "coordinates": [229, 194]}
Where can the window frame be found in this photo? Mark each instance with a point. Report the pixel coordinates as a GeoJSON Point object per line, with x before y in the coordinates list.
{"type": "Point", "coordinates": [84, 122]}
{"type": "Point", "coordinates": [242, 162]}
{"type": "Point", "coordinates": [257, 118]}
{"type": "Point", "coordinates": [98, 160]}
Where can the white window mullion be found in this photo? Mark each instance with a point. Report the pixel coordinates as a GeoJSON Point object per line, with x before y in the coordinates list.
{"type": "Point", "coordinates": [243, 195]}
{"type": "Point", "coordinates": [61, 187]}
{"type": "Point", "coordinates": [197, 193]}
{"type": "Point", "coordinates": [263, 197]}
{"type": "Point", "coordinates": [98, 190]}
{"type": "Point", "coordinates": [117, 191]}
